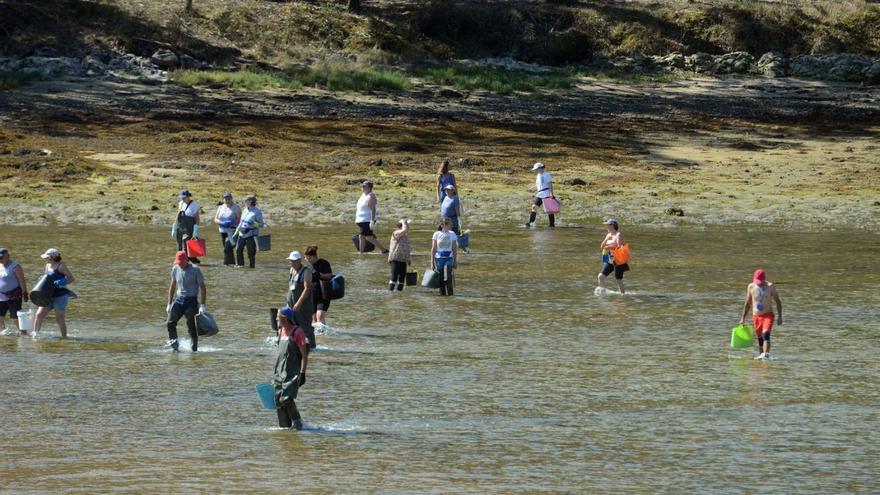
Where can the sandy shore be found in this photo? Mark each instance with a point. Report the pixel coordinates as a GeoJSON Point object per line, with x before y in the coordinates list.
{"type": "Point", "coordinates": [790, 153]}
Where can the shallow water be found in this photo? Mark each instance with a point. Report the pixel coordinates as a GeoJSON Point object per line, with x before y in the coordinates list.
{"type": "Point", "coordinates": [523, 382]}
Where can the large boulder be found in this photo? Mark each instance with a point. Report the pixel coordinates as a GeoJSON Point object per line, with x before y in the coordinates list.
{"type": "Point", "coordinates": [872, 73]}
{"type": "Point", "coordinates": [733, 63]}
{"type": "Point", "coordinates": [848, 67]}
{"type": "Point", "coordinates": [674, 60]}
{"type": "Point", "coordinates": [699, 62]}
{"type": "Point", "coordinates": [773, 64]}
{"type": "Point", "coordinates": [165, 59]}
{"type": "Point", "coordinates": [809, 66]}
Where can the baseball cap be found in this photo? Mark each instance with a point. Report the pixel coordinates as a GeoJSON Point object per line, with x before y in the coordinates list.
{"type": "Point", "coordinates": [295, 255]}
{"type": "Point", "coordinates": [181, 258]}
{"type": "Point", "coordinates": [227, 195]}
{"type": "Point", "coordinates": [537, 166]}
{"type": "Point", "coordinates": [760, 276]}
{"type": "Point", "coordinates": [288, 313]}
{"type": "Point", "coordinates": [51, 253]}
{"type": "Point", "coordinates": [184, 193]}
{"type": "Point", "coordinates": [449, 187]}
{"type": "Point", "coordinates": [3, 251]}
{"type": "Point", "coordinates": [611, 220]}
{"type": "Point", "coordinates": [367, 183]}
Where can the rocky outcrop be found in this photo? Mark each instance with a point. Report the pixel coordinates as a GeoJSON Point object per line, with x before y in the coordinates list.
{"type": "Point", "coordinates": [102, 64]}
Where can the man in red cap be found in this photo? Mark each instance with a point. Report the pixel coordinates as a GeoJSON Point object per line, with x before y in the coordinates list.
{"type": "Point", "coordinates": [760, 296]}
{"type": "Point", "coordinates": [186, 296]}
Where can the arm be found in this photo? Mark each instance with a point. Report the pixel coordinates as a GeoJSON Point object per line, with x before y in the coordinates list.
{"type": "Point", "coordinates": [778, 305]}
{"type": "Point", "coordinates": [307, 290]}
{"type": "Point", "coordinates": [171, 289]}
{"type": "Point", "coordinates": [455, 255]}
{"type": "Point", "coordinates": [217, 216]}
{"type": "Point", "coordinates": [197, 217]}
{"type": "Point", "coordinates": [746, 305]}
{"type": "Point", "coordinates": [372, 204]}
{"type": "Point", "coordinates": [433, 252]}
{"type": "Point", "coordinates": [260, 221]}
{"type": "Point", "coordinates": [437, 188]}
{"type": "Point", "coordinates": [19, 274]}
{"type": "Point", "coordinates": [66, 272]}
{"type": "Point", "coordinates": [203, 292]}
{"type": "Point", "coordinates": [304, 351]}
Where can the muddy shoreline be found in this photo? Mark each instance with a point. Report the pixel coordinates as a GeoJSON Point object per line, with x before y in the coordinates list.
{"type": "Point", "coordinates": [782, 152]}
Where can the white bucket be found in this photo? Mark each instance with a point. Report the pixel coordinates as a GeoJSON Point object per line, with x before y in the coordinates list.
{"type": "Point", "coordinates": [25, 320]}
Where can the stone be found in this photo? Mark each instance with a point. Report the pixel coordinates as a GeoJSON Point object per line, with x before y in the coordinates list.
{"type": "Point", "coordinates": [165, 59]}
{"type": "Point", "coordinates": [575, 182]}
{"type": "Point", "coordinates": [872, 73]}
{"type": "Point", "coordinates": [699, 62]}
{"type": "Point", "coordinates": [187, 62]}
{"type": "Point", "coordinates": [773, 64]}
{"type": "Point", "coordinates": [676, 212]}
{"type": "Point", "coordinates": [450, 93]}
{"type": "Point", "coordinates": [733, 63]}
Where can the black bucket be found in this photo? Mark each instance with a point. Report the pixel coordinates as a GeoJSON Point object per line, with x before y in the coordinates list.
{"type": "Point", "coordinates": [41, 294]}
{"type": "Point", "coordinates": [368, 246]}
{"type": "Point", "coordinates": [412, 278]}
{"type": "Point", "coordinates": [206, 325]}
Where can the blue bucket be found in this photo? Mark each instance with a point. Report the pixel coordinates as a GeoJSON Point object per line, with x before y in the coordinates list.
{"type": "Point", "coordinates": [266, 393]}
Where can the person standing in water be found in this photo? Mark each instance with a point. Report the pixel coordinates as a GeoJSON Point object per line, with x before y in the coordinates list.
{"type": "Point", "coordinates": [399, 254]}
{"type": "Point", "coordinates": [760, 296]}
{"type": "Point", "coordinates": [61, 277]}
{"type": "Point", "coordinates": [366, 217]}
{"type": "Point", "coordinates": [186, 296]}
{"type": "Point", "coordinates": [450, 208]}
{"type": "Point", "coordinates": [227, 219]}
{"type": "Point", "coordinates": [13, 288]}
{"type": "Point", "coordinates": [248, 230]}
{"type": "Point", "coordinates": [444, 253]}
{"type": "Point", "coordinates": [321, 272]}
{"type": "Point", "coordinates": [444, 179]}
{"type": "Point", "coordinates": [290, 368]}
{"type": "Point", "coordinates": [186, 224]}
{"type": "Point", "coordinates": [613, 240]}
{"type": "Point", "coordinates": [543, 190]}
{"type": "Point", "coordinates": [299, 295]}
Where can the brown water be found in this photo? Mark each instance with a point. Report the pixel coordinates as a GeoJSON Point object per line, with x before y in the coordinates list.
{"type": "Point", "coordinates": [524, 382]}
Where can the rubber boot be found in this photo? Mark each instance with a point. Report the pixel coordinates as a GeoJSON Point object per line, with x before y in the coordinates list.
{"type": "Point", "coordinates": [532, 217]}
{"type": "Point", "coordinates": [552, 220]}
{"type": "Point", "coordinates": [391, 285]}
{"type": "Point", "coordinates": [399, 285]}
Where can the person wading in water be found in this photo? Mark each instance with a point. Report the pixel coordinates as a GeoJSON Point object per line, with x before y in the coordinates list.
{"type": "Point", "coordinates": [760, 296]}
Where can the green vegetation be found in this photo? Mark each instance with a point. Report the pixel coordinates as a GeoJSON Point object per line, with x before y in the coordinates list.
{"type": "Point", "coordinates": [496, 79]}
{"type": "Point", "coordinates": [10, 80]}
{"type": "Point", "coordinates": [333, 79]}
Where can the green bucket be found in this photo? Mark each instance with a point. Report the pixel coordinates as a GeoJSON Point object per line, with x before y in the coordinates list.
{"type": "Point", "coordinates": [741, 336]}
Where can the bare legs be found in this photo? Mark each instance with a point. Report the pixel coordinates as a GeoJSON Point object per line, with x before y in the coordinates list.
{"type": "Point", "coordinates": [362, 243]}
{"type": "Point", "coordinates": [41, 315]}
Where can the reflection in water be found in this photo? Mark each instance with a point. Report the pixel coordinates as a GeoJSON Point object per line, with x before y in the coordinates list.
{"type": "Point", "coordinates": [525, 381]}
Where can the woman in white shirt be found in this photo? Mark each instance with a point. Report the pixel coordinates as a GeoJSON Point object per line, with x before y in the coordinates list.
{"type": "Point", "coordinates": [186, 223]}
{"type": "Point", "coordinates": [366, 217]}
{"type": "Point", "coordinates": [543, 190]}
{"type": "Point", "coordinates": [227, 218]}
{"type": "Point", "coordinates": [444, 253]}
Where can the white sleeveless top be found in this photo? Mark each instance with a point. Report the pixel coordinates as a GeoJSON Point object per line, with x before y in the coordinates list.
{"type": "Point", "coordinates": [8, 280]}
{"type": "Point", "coordinates": [227, 214]}
{"type": "Point", "coordinates": [363, 212]}
{"type": "Point", "coordinates": [190, 210]}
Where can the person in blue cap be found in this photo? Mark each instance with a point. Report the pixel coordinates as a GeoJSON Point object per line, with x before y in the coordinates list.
{"type": "Point", "coordinates": [227, 219]}
{"type": "Point", "coordinates": [290, 368]}
{"type": "Point", "coordinates": [186, 223]}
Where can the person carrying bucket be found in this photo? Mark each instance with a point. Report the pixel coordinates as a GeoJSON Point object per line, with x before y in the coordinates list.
{"type": "Point", "coordinates": [227, 218]}
{"type": "Point", "coordinates": [613, 240]}
{"type": "Point", "coordinates": [13, 289]}
{"type": "Point", "coordinates": [444, 254]}
{"type": "Point", "coordinates": [450, 208]}
{"type": "Point", "coordinates": [186, 223]}
{"type": "Point", "coordinates": [322, 272]}
{"type": "Point", "coordinates": [59, 276]}
{"type": "Point", "coordinates": [543, 190]}
{"type": "Point", "coordinates": [186, 296]}
{"type": "Point", "coordinates": [366, 217]}
{"type": "Point", "coordinates": [248, 230]}
{"type": "Point", "coordinates": [299, 294]}
{"type": "Point", "coordinates": [400, 254]}
{"type": "Point", "coordinates": [760, 296]}
{"type": "Point", "coordinates": [290, 368]}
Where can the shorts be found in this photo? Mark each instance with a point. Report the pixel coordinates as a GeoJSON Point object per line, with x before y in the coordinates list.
{"type": "Point", "coordinates": [321, 304]}
{"type": "Point", "coordinates": [59, 303]}
{"type": "Point", "coordinates": [13, 306]}
{"type": "Point", "coordinates": [364, 229]}
{"type": "Point", "coordinates": [618, 270]}
{"type": "Point", "coordinates": [763, 324]}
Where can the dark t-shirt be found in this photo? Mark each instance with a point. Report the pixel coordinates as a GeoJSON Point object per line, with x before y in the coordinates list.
{"type": "Point", "coordinates": [321, 266]}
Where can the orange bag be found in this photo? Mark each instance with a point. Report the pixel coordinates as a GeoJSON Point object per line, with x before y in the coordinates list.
{"type": "Point", "coordinates": [621, 255]}
{"type": "Point", "coordinates": [195, 248]}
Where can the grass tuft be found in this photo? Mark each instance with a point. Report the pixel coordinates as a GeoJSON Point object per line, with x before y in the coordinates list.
{"type": "Point", "coordinates": [11, 80]}
{"type": "Point", "coordinates": [333, 79]}
{"type": "Point", "coordinates": [496, 79]}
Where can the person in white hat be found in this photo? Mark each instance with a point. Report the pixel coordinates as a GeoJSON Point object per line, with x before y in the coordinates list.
{"type": "Point", "coordinates": [60, 277]}
{"type": "Point", "coordinates": [299, 295]}
{"type": "Point", "coordinates": [543, 190]}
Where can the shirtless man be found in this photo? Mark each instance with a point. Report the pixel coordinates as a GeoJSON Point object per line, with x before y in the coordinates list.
{"type": "Point", "coordinates": [761, 295]}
